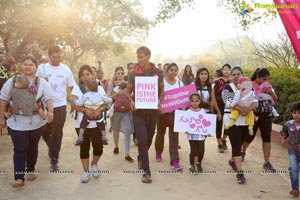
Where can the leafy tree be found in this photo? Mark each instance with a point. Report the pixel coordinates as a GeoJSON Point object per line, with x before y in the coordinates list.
{"type": "Point", "coordinates": [22, 23]}
{"type": "Point", "coordinates": [169, 8]}
{"type": "Point", "coordinates": [78, 26]}
{"type": "Point", "coordinates": [105, 25]}
{"type": "Point", "coordinates": [286, 82]}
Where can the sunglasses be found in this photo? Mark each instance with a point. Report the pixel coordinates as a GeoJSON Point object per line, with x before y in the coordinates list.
{"type": "Point", "coordinates": [195, 101]}
{"type": "Point", "coordinates": [120, 73]}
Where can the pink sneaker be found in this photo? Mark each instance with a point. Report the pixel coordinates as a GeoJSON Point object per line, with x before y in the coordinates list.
{"type": "Point", "coordinates": [158, 157]}
{"type": "Point", "coordinates": [175, 165]}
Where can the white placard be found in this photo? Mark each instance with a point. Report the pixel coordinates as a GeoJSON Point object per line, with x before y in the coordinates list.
{"type": "Point", "coordinates": [195, 122]}
{"type": "Point", "coordinates": [146, 92]}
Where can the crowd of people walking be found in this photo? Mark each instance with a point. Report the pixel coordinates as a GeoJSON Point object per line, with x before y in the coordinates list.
{"type": "Point", "coordinates": [39, 109]}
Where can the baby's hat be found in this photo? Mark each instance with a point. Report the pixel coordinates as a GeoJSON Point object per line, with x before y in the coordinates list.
{"type": "Point", "coordinates": [243, 79]}
{"type": "Point", "coordinates": [265, 84]}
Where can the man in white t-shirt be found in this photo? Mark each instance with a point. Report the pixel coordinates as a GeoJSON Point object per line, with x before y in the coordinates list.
{"type": "Point", "coordinates": [60, 79]}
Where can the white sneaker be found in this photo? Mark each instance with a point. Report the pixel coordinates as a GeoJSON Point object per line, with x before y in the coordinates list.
{"type": "Point", "coordinates": [95, 170]}
{"type": "Point", "coordinates": [85, 177]}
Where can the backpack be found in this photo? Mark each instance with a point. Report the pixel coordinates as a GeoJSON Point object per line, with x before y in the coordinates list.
{"type": "Point", "coordinates": [263, 108]}
{"type": "Point", "coordinates": [23, 101]}
{"type": "Point", "coordinates": [122, 103]}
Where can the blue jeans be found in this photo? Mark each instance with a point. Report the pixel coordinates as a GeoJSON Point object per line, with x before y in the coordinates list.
{"type": "Point", "coordinates": [144, 122]}
{"type": "Point", "coordinates": [54, 132]}
{"type": "Point", "coordinates": [25, 150]}
{"type": "Point", "coordinates": [294, 169]}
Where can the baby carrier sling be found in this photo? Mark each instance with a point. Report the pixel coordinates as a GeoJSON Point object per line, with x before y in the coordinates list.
{"type": "Point", "coordinates": [23, 100]}
{"type": "Point", "coordinates": [82, 89]}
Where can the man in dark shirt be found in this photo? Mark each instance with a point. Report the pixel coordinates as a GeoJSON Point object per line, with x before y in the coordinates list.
{"type": "Point", "coordinates": [144, 120]}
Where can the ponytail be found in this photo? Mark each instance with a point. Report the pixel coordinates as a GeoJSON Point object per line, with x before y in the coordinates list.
{"type": "Point", "coordinates": [254, 75]}
{"type": "Point", "coordinates": [260, 72]}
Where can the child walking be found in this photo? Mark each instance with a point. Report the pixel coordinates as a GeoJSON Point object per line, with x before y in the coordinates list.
{"type": "Point", "coordinates": [291, 131]}
{"type": "Point", "coordinates": [196, 141]}
{"type": "Point", "coordinates": [91, 99]}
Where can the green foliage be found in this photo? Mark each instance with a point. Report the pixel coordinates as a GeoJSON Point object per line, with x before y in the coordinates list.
{"type": "Point", "coordinates": [286, 82]}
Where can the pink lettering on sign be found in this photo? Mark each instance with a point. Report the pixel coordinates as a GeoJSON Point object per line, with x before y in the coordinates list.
{"type": "Point", "coordinates": [199, 125]}
{"type": "Point", "coordinates": [195, 122]}
{"type": "Point", "coordinates": [146, 92]}
{"type": "Point", "coordinates": [177, 98]}
{"type": "Point", "coordinates": [146, 86]}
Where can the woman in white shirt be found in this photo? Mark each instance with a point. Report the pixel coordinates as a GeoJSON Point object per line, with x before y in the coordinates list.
{"type": "Point", "coordinates": [170, 82]}
{"type": "Point", "coordinates": [25, 125]}
{"type": "Point", "coordinates": [237, 133]}
{"type": "Point", "coordinates": [91, 133]}
{"type": "Point", "coordinates": [203, 85]}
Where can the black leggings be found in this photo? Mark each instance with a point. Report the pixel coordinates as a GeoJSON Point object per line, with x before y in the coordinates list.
{"type": "Point", "coordinates": [237, 135]}
{"type": "Point", "coordinates": [197, 149]}
{"type": "Point", "coordinates": [91, 135]}
{"type": "Point", "coordinates": [219, 123]}
{"type": "Point", "coordinates": [264, 124]}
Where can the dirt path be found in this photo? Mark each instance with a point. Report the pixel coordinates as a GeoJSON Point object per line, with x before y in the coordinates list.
{"type": "Point", "coordinates": [118, 180]}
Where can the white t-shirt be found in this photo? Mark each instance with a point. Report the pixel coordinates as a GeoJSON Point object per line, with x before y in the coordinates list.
{"type": "Point", "coordinates": [168, 86]}
{"type": "Point", "coordinates": [197, 137]}
{"type": "Point", "coordinates": [77, 92]}
{"type": "Point", "coordinates": [22, 122]}
{"type": "Point", "coordinates": [60, 78]}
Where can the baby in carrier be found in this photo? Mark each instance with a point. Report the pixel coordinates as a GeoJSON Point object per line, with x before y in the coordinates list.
{"type": "Point", "coordinates": [243, 98]}
{"type": "Point", "coordinates": [24, 98]}
{"type": "Point", "coordinates": [91, 99]}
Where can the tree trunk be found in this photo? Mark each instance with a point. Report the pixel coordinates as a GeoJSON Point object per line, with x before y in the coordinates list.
{"type": "Point", "coordinates": [5, 42]}
{"type": "Point", "coordinates": [20, 49]}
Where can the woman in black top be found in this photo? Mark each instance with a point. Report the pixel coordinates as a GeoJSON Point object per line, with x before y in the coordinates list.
{"type": "Point", "coordinates": [188, 76]}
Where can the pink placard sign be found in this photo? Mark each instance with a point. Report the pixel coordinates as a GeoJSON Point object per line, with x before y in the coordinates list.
{"type": "Point", "coordinates": [195, 122]}
{"type": "Point", "coordinates": [177, 98]}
